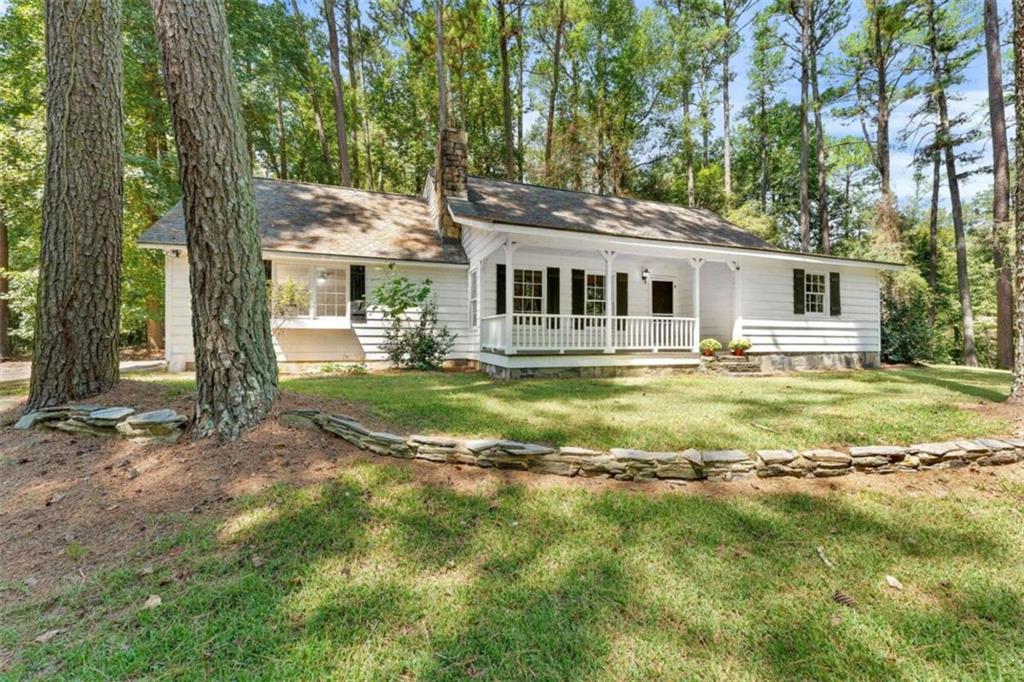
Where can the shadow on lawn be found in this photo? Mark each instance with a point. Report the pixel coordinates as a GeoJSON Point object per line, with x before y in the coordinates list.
{"type": "Point", "coordinates": [379, 577]}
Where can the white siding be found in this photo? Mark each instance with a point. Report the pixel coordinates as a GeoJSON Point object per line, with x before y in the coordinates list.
{"type": "Point", "coordinates": [362, 342]}
{"type": "Point", "coordinates": [716, 303]}
{"type": "Point", "coordinates": [177, 312]}
{"type": "Point", "coordinates": [771, 325]}
{"type": "Point", "coordinates": [448, 283]}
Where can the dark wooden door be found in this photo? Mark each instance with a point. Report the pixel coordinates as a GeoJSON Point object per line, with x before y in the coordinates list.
{"type": "Point", "coordinates": [661, 297]}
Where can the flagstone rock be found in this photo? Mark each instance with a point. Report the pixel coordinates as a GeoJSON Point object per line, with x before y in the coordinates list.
{"type": "Point", "coordinates": [877, 451]}
{"type": "Point", "coordinates": [33, 419]}
{"type": "Point", "coordinates": [769, 457]}
{"type": "Point", "coordinates": [109, 416]}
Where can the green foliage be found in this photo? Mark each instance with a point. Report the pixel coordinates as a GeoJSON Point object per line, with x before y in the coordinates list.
{"type": "Point", "coordinates": [710, 345]}
{"type": "Point", "coordinates": [414, 339]}
{"type": "Point", "coordinates": [740, 344]}
{"type": "Point", "coordinates": [287, 299]}
{"type": "Point", "coordinates": [906, 332]}
{"type": "Point", "coordinates": [21, 298]}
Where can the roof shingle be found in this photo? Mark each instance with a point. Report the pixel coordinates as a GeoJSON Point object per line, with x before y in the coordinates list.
{"type": "Point", "coordinates": [321, 219]}
{"type": "Point", "coordinates": [521, 204]}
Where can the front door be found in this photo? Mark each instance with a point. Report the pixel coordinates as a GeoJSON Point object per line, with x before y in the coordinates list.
{"type": "Point", "coordinates": [661, 297]}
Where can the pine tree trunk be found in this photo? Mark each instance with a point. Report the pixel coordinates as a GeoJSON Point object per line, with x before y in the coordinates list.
{"type": "Point", "coordinates": [933, 233]}
{"type": "Point", "coordinates": [945, 141]}
{"type": "Point", "coordinates": [6, 350]}
{"type": "Point", "coordinates": [688, 148]}
{"type": "Point", "coordinates": [805, 195]}
{"type": "Point", "coordinates": [282, 139]}
{"type": "Point", "coordinates": [350, 58]}
{"type": "Point", "coordinates": [506, 92]}
{"type": "Point", "coordinates": [79, 300]}
{"type": "Point", "coordinates": [882, 122]}
{"type": "Point", "coordinates": [314, 94]}
{"type": "Point", "coordinates": [726, 122]}
{"type": "Point", "coordinates": [236, 370]}
{"type": "Point", "coordinates": [339, 94]}
{"type": "Point", "coordinates": [1017, 393]}
{"type": "Point", "coordinates": [763, 142]}
{"type": "Point", "coordinates": [520, 90]}
{"type": "Point", "coordinates": [1000, 190]}
{"type": "Point", "coordinates": [819, 136]}
{"type": "Point", "coordinates": [556, 68]}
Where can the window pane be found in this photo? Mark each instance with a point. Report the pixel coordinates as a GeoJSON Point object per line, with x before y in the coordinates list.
{"type": "Point", "coordinates": [528, 291]}
{"type": "Point", "coordinates": [330, 292]}
{"type": "Point", "coordinates": [814, 293]}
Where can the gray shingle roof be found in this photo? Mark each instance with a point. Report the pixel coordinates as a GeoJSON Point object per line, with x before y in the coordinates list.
{"type": "Point", "coordinates": [320, 219]}
{"type": "Point", "coordinates": [511, 202]}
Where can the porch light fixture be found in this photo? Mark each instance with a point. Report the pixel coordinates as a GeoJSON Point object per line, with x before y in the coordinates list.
{"type": "Point", "coordinates": [645, 275]}
{"type": "Point", "coordinates": [321, 278]}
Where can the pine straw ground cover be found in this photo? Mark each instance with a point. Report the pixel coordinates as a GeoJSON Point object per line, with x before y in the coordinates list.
{"type": "Point", "coordinates": [289, 555]}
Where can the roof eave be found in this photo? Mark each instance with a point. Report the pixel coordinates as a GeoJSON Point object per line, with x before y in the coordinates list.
{"type": "Point", "coordinates": [725, 250]}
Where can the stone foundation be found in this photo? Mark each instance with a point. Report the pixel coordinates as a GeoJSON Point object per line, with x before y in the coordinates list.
{"type": "Point", "coordinates": [639, 465]}
{"type": "Point", "coordinates": [787, 362]}
{"type": "Point", "coordinates": [607, 372]}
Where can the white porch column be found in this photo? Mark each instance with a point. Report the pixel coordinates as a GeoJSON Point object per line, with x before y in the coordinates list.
{"type": "Point", "coordinates": [609, 339]}
{"type": "Point", "coordinates": [510, 248]}
{"type": "Point", "coordinates": [737, 283]}
{"type": "Point", "coordinates": [696, 264]}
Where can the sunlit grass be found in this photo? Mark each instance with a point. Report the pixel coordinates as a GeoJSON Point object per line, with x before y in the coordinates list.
{"type": "Point", "coordinates": [378, 576]}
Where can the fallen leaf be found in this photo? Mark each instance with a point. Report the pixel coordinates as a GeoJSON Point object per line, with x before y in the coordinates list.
{"type": "Point", "coordinates": [48, 635]}
{"type": "Point", "coordinates": [824, 559]}
{"type": "Point", "coordinates": [55, 498]}
{"type": "Point", "coordinates": [144, 571]}
{"type": "Point", "coordinates": [153, 602]}
{"type": "Point", "coordinates": [893, 582]}
{"type": "Point", "coordinates": [257, 560]}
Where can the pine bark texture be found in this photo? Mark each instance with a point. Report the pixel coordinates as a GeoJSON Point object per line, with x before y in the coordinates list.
{"type": "Point", "coordinates": [339, 93]}
{"type": "Point", "coordinates": [236, 370]}
{"type": "Point", "coordinates": [6, 350]}
{"type": "Point", "coordinates": [1000, 189]}
{"type": "Point", "coordinates": [1017, 393]}
{"type": "Point", "coordinates": [79, 300]}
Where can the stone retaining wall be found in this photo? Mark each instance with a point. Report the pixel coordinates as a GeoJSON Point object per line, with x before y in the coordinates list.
{"type": "Point", "coordinates": [158, 426]}
{"type": "Point", "coordinates": [639, 465]}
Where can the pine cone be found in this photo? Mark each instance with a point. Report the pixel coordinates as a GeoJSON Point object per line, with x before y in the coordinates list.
{"type": "Point", "coordinates": [846, 600]}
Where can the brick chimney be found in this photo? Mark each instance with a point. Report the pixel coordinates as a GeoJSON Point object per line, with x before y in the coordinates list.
{"type": "Point", "coordinates": [451, 180]}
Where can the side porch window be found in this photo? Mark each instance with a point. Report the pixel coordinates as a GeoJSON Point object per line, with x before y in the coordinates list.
{"type": "Point", "coordinates": [597, 295]}
{"type": "Point", "coordinates": [528, 291]}
{"type": "Point", "coordinates": [325, 288]}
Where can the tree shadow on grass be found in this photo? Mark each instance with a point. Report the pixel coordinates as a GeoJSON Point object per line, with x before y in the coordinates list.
{"type": "Point", "coordinates": [377, 576]}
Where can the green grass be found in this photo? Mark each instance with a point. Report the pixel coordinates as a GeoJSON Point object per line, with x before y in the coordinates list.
{"type": "Point", "coordinates": [680, 411]}
{"type": "Point", "coordinates": [375, 576]}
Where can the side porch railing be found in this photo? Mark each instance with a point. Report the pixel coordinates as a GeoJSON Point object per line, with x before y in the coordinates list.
{"type": "Point", "coordinates": [550, 333]}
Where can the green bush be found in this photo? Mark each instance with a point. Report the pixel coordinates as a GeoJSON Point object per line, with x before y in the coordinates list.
{"type": "Point", "coordinates": [906, 332]}
{"type": "Point", "coordinates": [710, 346]}
{"type": "Point", "coordinates": [740, 344]}
{"type": "Point", "coordinates": [412, 342]}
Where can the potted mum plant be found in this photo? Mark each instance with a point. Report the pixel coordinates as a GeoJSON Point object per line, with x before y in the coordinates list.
{"type": "Point", "coordinates": [708, 347]}
{"type": "Point", "coordinates": [739, 346]}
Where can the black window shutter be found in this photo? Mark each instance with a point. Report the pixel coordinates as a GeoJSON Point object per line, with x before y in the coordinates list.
{"type": "Point", "coordinates": [268, 270]}
{"type": "Point", "coordinates": [834, 296]}
{"type": "Point", "coordinates": [578, 291]}
{"type": "Point", "coordinates": [621, 294]}
{"type": "Point", "coordinates": [499, 289]}
{"type": "Point", "coordinates": [357, 282]}
{"type": "Point", "coordinates": [798, 292]}
{"type": "Point", "coordinates": [554, 290]}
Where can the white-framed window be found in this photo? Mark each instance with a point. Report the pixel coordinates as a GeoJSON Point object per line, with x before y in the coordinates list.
{"type": "Point", "coordinates": [815, 284]}
{"type": "Point", "coordinates": [474, 300]}
{"type": "Point", "coordinates": [528, 291]}
{"type": "Point", "coordinates": [596, 295]}
{"type": "Point", "coordinates": [327, 287]}
{"type": "Point", "coordinates": [329, 292]}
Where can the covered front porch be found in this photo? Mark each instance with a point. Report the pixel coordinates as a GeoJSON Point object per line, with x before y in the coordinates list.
{"type": "Point", "coordinates": [541, 299]}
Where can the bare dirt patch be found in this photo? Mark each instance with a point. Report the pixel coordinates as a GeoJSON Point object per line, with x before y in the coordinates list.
{"type": "Point", "coordinates": [71, 505]}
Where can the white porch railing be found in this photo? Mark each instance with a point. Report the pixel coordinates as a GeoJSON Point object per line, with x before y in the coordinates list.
{"type": "Point", "coordinates": [560, 333]}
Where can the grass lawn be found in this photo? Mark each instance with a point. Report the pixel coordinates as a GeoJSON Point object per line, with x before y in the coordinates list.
{"type": "Point", "coordinates": [376, 575]}
{"type": "Point", "coordinates": [898, 406]}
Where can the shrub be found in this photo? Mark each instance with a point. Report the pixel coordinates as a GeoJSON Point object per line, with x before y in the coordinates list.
{"type": "Point", "coordinates": [710, 346]}
{"type": "Point", "coordinates": [420, 343]}
{"type": "Point", "coordinates": [906, 333]}
{"type": "Point", "coordinates": [741, 344]}
{"type": "Point", "coordinates": [287, 299]}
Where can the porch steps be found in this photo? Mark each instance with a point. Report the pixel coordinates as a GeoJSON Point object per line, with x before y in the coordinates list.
{"type": "Point", "coordinates": [730, 364]}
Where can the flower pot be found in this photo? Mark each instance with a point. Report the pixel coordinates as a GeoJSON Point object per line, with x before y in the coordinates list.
{"type": "Point", "coordinates": [739, 351]}
{"type": "Point", "coordinates": [708, 353]}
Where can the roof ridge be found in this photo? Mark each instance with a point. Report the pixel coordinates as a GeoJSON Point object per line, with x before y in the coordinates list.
{"type": "Point", "coordinates": [606, 196]}
{"type": "Point", "coordinates": [417, 197]}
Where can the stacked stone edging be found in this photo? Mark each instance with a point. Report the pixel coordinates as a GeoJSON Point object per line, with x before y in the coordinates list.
{"type": "Point", "coordinates": [639, 465]}
{"type": "Point", "coordinates": [157, 426]}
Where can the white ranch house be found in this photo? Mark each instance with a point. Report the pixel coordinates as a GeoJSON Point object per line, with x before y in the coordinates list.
{"type": "Point", "coordinates": [534, 280]}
